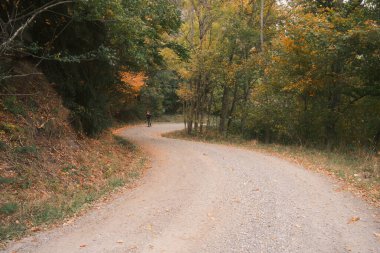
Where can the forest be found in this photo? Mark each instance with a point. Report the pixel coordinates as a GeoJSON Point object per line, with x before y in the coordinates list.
{"type": "Point", "coordinates": [299, 72]}
{"type": "Point", "coordinates": [292, 72]}
{"type": "Point", "coordinates": [289, 90]}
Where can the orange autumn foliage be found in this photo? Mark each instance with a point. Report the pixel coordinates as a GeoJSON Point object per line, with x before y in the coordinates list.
{"type": "Point", "coordinates": [134, 80]}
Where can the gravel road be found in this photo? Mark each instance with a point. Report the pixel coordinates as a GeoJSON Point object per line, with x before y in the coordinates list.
{"type": "Point", "coordinates": [201, 197]}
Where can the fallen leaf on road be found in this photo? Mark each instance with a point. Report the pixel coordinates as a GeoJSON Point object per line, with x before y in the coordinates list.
{"type": "Point", "coordinates": [353, 219]}
{"type": "Point", "coordinates": [35, 229]}
{"type": "Point", "coordinates": [120, 241]}
{"type": "Point", "coordinates": [211, 216]}
{"type": "Point", "coordinates": [133, 247]}
{"type": "Point", "coordinates": [83, 245]}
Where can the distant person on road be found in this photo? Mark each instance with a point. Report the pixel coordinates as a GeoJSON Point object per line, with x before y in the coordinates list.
{"type": "Point", "coordinates": [149, 118]}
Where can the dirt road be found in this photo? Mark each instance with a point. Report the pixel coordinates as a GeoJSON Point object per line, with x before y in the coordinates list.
{"type": "Point", "coordinates": [201, 197]}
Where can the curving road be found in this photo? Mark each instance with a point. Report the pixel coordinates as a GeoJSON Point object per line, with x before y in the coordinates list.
{"type": "Point", "coordinates": [201, 197]}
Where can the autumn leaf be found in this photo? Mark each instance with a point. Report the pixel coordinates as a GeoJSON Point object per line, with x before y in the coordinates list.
{"type": "Point", "coordinates": [353, 219]}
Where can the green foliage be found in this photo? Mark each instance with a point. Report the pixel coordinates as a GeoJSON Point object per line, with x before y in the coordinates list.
{"type": "Point", "coordinates": [3, 146]}
{"type": "Point", "coordinates": [125, 143]}
{"type": "Point", "coordinates": [160, 93]}
{"type": "Point", "coordinates": [116, 182]}
{"type": "Point", "coordinates": [85, 44]}
{"type": "Point", "coordinates": [8, 208]}
{"type": "Point", "coordinates": [5, 180]}
{"type": "Point", "coordinates": [134, 174]}
{"type": "Point", "coordinates": [315, 80]}
{"type": "Point", "coordinates": [69, 168]}
{"type": "Point", "coordinates": [9, 128]}
{"type": "Point", "coordinates": [26, 149]}
{"type": "Point", "coordinates": [11, 104]}
{"type": "Point", "coordinates": [11, 231]}
{"type": "Point", "coordinates": [334, 74]}
{"type": "Point", "coordinates": [47, 213]}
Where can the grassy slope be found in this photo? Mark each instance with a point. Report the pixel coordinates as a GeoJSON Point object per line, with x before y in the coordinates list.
{"type": "Point", "coordinates": [47, 171]}
{"type": "Point", "coordinates": [359, 173]}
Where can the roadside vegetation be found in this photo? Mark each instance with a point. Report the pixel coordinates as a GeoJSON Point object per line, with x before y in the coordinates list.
{"type": "Point", "coordinates": [48, 171]}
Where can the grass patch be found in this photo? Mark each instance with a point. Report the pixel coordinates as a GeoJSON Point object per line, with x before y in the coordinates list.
{"type": "Point", "coordinates": [134, 174]}
{"type": "Point", "coordinates": [46, 213]}
{"type": "Point", "coordinates": [8, 208]}
{"type": "Point", "coordinates": [12, 105]}
{"type": "Point", "coordinates": [125, 143]}
{"type": "Point", "coordinates": [9, 128]}
{"type": "Point", "coordinates": [26, 149]}
{"type": "Point", "coordinates": [360, 171]}
{"type": "Point", "coordinates": [10, 231]}
{"type": "Point", "coordinates": [69, 168]}
{"type": "Point", "coordinates": [6, 180]}
{"type": "Point", "coordinates": [116, 182]}
{"type": "Point", "coordinates": [3, 146]}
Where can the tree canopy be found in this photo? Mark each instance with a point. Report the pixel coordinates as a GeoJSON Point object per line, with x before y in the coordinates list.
{"type": "Point", "coordinates": [304, 72]}
{"type": "Point", "coordinates": [85, 46]}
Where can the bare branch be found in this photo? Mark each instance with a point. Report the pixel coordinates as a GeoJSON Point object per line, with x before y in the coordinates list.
{"type": "Point", "coordinates": [19, 94]}
{"type": "Point", "coordinates": [21, 75]}
{"type": "Point", "coordinates": [29, 20]}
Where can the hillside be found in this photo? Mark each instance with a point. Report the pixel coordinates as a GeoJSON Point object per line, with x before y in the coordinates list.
{"type": "Point", "coordinates": [47, 170]}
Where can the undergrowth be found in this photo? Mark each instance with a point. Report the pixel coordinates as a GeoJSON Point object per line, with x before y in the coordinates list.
{"type": "Point", "coordinates": [49, 171]}
{"type": "Point", "coordinates": [118, 166]}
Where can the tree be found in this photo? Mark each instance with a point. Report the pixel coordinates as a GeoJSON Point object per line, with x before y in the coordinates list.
{"type": "Point", "coordinates": [83, 46]}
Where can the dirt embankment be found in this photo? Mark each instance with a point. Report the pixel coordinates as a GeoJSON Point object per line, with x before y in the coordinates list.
{"type": "Point", "coordinates": [47, 170]}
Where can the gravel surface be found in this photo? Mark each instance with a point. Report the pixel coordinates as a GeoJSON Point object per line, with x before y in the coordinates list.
{"type": "Point", "coordinates": [201, 197]}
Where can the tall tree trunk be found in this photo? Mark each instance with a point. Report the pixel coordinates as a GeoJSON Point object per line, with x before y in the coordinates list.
{"type": "Point", "coordinates": [330, 126]}
{"type": "Point", "coordinates": [262, 26]}
{"type": "Point", "coordinates": [209, 111]}
{"type": "Point", "coordinates": [376, 141]}
{"type": "Point", "coordinates": [190, 119]}
{"type": "Point", "coordinates": [267, 135]}
{"type": "Point", "coordinates": [224, 111]}
{"type": "Point", "coordinates": [184, 112]}
{"type": "Point", "coordinates": [233, 104]}
{"type": "Point", "coordinates": [243, 121]}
